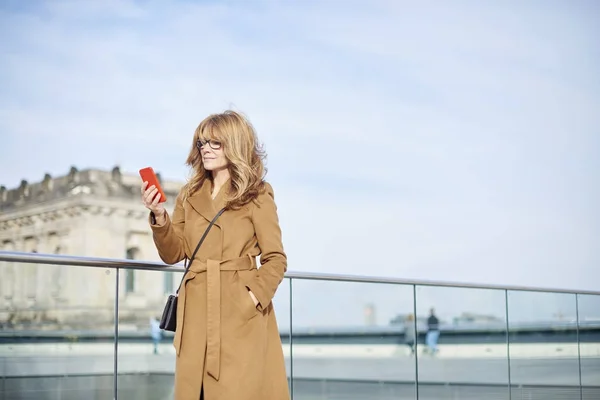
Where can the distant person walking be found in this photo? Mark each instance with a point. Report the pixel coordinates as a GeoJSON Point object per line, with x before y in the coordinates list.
{"type": "Point", "coordinates": [227, 342]}
{"type": "Point", "coordinates": [433, 332]}
{"type": "Point", "coordinates": [155, 332]}
{"type": "Point", "coordinates": [409, 332]}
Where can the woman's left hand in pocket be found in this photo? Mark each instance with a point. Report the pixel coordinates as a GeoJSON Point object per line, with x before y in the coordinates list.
{"type": "Point", "coordinates": [254, 299]}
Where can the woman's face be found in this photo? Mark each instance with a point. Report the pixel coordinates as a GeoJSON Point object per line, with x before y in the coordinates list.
{"type": "Point", "coordinates": [213, 157]}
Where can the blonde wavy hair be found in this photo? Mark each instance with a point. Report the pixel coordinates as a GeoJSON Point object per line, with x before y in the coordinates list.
{"type": "Point", "coordinates": [244, 155]}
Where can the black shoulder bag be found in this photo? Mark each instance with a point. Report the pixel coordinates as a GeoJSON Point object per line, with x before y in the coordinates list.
{"type": "Point", "coordinates": [168, 321]}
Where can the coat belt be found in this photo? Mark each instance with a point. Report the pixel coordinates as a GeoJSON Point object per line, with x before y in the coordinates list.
{"type": "Point", "coordinates": [213, 270]}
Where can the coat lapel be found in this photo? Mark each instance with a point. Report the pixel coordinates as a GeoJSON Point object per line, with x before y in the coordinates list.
{"type": "Point", "coordinates": [203, 203]}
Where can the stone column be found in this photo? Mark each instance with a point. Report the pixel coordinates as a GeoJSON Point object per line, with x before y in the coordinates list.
{"type": "Point", "coordinates": [7, 286]}
{"type": "Point", "coordinates": [29, 276]}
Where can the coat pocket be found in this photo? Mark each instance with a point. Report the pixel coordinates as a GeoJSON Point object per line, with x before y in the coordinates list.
{"type": "Point", "coordinates": [244, 301]}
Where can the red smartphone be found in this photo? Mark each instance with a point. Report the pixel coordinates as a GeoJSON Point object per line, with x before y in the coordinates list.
{"type": "Point", "coordinates": [149, 176]}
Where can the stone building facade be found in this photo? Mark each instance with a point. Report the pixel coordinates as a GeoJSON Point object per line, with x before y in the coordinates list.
{"type": "Point", "coordinates": [93, 213]}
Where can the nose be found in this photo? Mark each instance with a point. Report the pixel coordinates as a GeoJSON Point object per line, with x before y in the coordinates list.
{"type": "Point", "coordinates": [205, 149]}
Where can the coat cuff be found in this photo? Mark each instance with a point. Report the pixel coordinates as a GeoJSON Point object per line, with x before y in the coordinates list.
{"type": "Point", "coordinates": [156, 227]}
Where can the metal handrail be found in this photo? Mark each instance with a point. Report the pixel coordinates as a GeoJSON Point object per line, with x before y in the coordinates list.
{"type": "Point", "coordinates": [97, 262]}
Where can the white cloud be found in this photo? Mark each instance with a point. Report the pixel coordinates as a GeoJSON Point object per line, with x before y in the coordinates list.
{"type": "Point", "coordinates": [434, 141]}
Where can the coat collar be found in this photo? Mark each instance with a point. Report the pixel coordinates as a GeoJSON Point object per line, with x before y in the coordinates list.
{"type": "Point", "coordinates": [203, 203]}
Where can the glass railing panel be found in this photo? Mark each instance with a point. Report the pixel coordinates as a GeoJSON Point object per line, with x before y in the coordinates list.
{"type": "Point", "coordinates": [281, 304]}
{"type": "Point", "coordinates": [348, 341]}
{"type": "Point", "coordinates": [146, 355]}
{"type": "Point", "coordinates": [466, 356]}
{"type": "Point", "coordinates": [57, 336]}
{"type": "Point", "coordinates": [543, 348]}
{"type": "Point", "coordinates": [589, 345]}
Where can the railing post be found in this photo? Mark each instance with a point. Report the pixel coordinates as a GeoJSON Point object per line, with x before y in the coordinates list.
{"type": "Point", "coordinates": [507, 343]}
{"type": "Point", "coordinates": [291, 344]}
{"type": "Point", "coordinates": [416, 342]}
{"type": "Point", "coordinates": [578, 347]}
{"type": "Point", "coordinates": [116, 339]}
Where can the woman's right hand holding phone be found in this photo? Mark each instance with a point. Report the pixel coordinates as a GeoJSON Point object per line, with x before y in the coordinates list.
{"type": "Point", "coordinates": [150, 198]}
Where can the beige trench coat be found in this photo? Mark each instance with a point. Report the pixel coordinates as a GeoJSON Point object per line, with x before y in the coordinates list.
{"type": "Point", "coordinates": [224, 342]}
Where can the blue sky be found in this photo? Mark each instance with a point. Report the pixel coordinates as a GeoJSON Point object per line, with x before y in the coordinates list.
{"type": "Point", "coordinates": [434, 141]}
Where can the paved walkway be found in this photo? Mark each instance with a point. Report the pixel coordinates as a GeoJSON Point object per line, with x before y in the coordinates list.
{"type": "Point", "coordinates": [546, 371]}
{"type": "Point", "coordinates": [314, 379]}
{"type": "Point", "coordinates": [466, 351]}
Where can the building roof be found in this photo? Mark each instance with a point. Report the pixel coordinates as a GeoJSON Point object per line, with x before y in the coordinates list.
{"type": "Point", "coordinates": [100, 183]}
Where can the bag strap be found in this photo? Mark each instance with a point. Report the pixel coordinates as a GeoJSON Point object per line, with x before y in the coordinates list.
{"type": "Point", "coordinates": [188, 264]}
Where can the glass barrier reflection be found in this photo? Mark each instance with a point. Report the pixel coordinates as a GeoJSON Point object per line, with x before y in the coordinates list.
{"type": "Point", "coordinates": [462, 348]}
{"type": "Point", "coordinates": [146, 357]}
{"type": "Point", "coordinates": [543, 348]}
{"type": "Point", "coordinates": [56, 332]}
{"type": "Point", "coordinates": [589, 345]}
{"type": "Point", "coordinates": [341, 340]}
{"type": "Point", "coordinates": [349, 340]}
{"type": "Point", "coordinates": [281, 304]}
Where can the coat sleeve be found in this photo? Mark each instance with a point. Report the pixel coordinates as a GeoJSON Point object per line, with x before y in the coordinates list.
{"type": "Point", "coordinates": [273, 259]}
{"type": "Point", "coordinates": [168, 238]}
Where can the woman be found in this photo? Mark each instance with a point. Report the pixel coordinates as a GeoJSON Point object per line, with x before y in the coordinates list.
{"type": "Point", "coordinates": [227, 341]}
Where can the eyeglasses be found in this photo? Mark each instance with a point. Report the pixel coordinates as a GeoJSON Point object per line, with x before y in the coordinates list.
{"type": "Point", "coordinates": [214, 144]}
